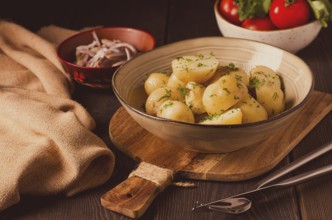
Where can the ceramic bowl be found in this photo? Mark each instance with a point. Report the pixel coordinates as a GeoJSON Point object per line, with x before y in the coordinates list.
{"type": "Point", "coordinates": [292, 39]}
{"type": "Point", "coordinates": [98, 77]}
{"type": "Point", "coordinates": [297, 77]}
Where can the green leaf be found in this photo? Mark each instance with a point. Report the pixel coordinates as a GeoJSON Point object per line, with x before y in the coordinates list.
{"type": "Point", "coordinates": [322, 10]}
{"type": "Point", "coordinates": [289, 2]}
{"type": "Point", "coordinates": [266, 5]}
{"type": "Point", "coordinates": [252, 8]}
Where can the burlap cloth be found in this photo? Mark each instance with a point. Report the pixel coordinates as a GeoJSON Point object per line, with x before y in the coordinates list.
{"type": "Point", "coordinates": [46, 141]}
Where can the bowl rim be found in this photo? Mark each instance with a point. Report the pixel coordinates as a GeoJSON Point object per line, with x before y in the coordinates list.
{"type": "Point", "coordinates": [217, 13]}
{"type": "Point", "coordinates": [73, 65]}
{"type": "Point", "coordinates": [252, 124]}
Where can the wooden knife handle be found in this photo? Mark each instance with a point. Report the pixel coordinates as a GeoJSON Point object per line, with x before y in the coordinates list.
{"type": "Point", "coordinates": [132, 197]}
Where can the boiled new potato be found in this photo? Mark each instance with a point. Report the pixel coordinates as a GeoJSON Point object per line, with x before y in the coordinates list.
{"type": "Point", "coordinates": [174, 82]}
{"type": "Point", "coordinates": [221, 71]}
{"type": "Point", "coordinates": [193, 97]}
{"type": "Point", "coordinates": [176, 110]}
{"type": "Point", "coordinates": [198, 68]}
{"type": "Point", "coordinates": [232, 116]}
{"type": "Point", "coordinates": [272, 99]}
{"type": "Point", "coordinates": [252, 111]}
{"type": "Point", "coordinates": [155, 81]}
{"type": "Point", "coordinates": [160, 95]}
{"type": "Point", "coordinates": [198, 86]}
{"type": "Point", "coordinates": [241, 76]}
{"type": "Point", "coordinates": [218, 97]}
{"type": "Point", "coordinates": [264, 76]}
{"type": "Point", "coordinates": [268, 91]}
{"type": "Point", "coordinates": [231, 69]}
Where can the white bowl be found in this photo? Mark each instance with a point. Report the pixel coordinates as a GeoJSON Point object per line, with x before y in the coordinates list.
{"type": "Point", "coordinates": [127, 83]}
{"type": "Point", "coordinates": [292, 39]}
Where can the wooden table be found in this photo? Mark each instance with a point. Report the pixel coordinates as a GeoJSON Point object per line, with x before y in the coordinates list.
{"type": "Point", "coordinates": [171, 21]}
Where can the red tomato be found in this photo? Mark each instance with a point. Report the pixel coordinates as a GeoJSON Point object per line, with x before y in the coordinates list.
{"type": "Point", "coordinates": [229, 10]}
{"type": "Point", "coordinates": [290, 15]}
{"type": "Point", "coordinates": [261, 24]}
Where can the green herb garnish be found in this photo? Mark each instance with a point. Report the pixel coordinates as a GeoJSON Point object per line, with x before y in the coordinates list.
{"type": "Point", "coordinates": [167, 95]}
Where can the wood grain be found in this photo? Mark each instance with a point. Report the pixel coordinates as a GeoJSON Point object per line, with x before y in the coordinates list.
{"type": "Point", "coordinates": [170, 21]}
{"type": "Point", "coordinates": [244, 164]}
{"type": "Point", "coordinates": [133, 196]}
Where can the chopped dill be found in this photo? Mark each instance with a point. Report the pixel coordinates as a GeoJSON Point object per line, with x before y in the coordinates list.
{"type": "Point", "coordinates": [254, 82]}
{"type": "Point", "coordinates": [200, 65]}
{"type": "Point", "coordinates": [190, 105]}
{"type": "Point", "coordinates": [210, 117]}
{"type": "Point", "coordinates": [167, 105]}
{"type": "Point", "coordinates": [184, 91]}
{"type": "Point", "coordinates": [274, 96]}
{"type": "Point", "coordinates": [226, 90]}
{"type": "Point", "coordinates": [167, 95]}
{"type": "Point", "coordinates": [232, 67]}
{"type": "Point", "coordinates": [238, 77]}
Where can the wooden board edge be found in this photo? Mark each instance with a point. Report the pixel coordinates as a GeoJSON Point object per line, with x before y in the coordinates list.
{"type": "Point", "coordinates": [245, 176]}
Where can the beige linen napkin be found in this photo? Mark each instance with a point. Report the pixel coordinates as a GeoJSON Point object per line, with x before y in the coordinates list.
{"type": "Point", "coordinates": [46, 143]}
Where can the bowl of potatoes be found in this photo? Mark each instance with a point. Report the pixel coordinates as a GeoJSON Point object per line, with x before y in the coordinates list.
{"type": "Point", "coordinates": [214, 94]}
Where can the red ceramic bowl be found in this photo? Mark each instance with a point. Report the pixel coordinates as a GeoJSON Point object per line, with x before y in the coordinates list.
{"type": "Point", "coordinates": [100, 77]}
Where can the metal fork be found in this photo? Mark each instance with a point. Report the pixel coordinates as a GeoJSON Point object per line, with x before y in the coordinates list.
{"type": "Point", "coordinates": [237, 204]}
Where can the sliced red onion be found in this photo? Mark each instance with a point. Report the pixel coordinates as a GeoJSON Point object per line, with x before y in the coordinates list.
{"type": "Point", "coordinates": [118, 63]}
{"type": "Point", "coordinates": [95, 53]}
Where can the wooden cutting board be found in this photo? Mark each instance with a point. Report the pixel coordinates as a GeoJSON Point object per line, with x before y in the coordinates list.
{"type": "Point", "coordinates": [133, 196]}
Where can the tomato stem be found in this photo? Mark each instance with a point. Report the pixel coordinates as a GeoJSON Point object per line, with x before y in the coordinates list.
{"type": "Point", "coordinates": [289, 2]}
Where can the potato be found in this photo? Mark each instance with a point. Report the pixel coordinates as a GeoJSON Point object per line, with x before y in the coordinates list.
{"type": "Point", "coordinates": [232, 116]}
{"type": "Point", "coordinates": [252, 111]}
{"type": "Point", "coordinates": [267, 86]}
{"type": "Point", "coordinates": [218, 97]}
{"type": "Point", "coordinates": [198, 83]}
{"type": "Point", "coordinates": [155, 81]}
{"type": "Point", "coordinates": [174, 82]}
{"type": "Point", "coordinates": [176, 110]}
{"type": "Point", "coordinates": [221, 71]}
{"type": "Point", "coordinates": [272, 99]}
{"type": "Point", "coordinates": [264, 76]}
{"type": "Point", "coordinates": [241, 76]}
{"type": "Point", "coordinates": [193, 97]}
{"type": "Point", "coordinates": [198, 68]}
{"type": "Point", "coordinates": [160, 95]}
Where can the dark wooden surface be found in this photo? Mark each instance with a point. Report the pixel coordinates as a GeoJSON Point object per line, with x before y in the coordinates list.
{"type": "Point", "coordinates": [170, 21]}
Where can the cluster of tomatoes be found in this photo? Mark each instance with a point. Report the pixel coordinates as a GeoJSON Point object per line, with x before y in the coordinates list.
{"type": "Point", "coordinates": [281, 15]}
